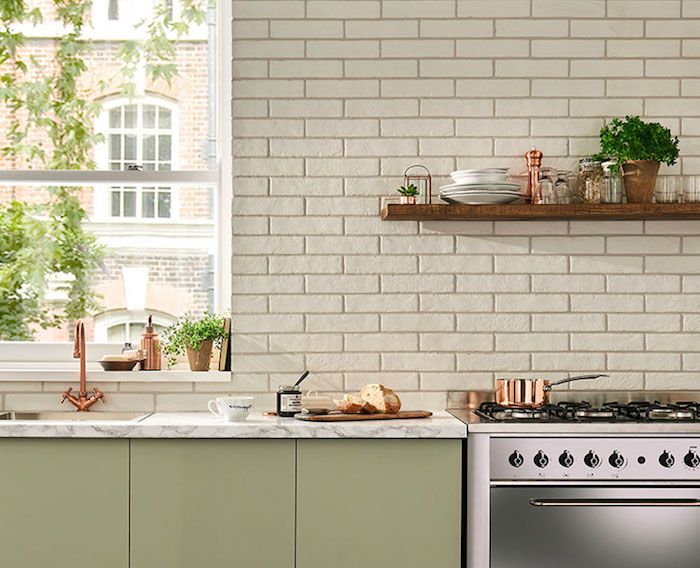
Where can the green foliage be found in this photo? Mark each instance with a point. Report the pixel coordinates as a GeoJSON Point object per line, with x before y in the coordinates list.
{"type": "Point", "coordinates": [634, 139]}
{"type": "Point", "coordinates": [188, 332]}
{"type": "Point", "coordinates": [409, 191]}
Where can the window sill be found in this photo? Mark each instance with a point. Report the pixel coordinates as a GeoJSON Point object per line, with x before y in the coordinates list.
{"type": "Point", "coordinates": [99, 376]}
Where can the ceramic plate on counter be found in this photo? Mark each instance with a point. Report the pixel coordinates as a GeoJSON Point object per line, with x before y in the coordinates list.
{"type": "Point", "coordinates": [481, 198]}
{"type": "Point", "coordinates": [487, 175]}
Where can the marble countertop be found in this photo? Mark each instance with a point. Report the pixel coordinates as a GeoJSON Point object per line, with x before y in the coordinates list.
{"type": "Point", "coordinates": [205, 425]}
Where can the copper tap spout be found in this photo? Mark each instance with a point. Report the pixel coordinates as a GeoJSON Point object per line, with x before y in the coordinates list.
{"type": "Point", "coordinates": [82, 403]}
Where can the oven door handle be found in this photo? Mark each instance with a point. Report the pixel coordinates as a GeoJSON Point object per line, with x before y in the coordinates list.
{"type": "Point", "coordinates": [615, 502]}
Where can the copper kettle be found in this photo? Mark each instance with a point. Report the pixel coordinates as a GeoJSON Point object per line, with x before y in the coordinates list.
{"type": "Point", "coordinates": [530, 392]}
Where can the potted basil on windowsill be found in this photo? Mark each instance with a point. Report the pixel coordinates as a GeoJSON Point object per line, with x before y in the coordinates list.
{"type": "Point", "coordinates": [194, 337]}
{"type": "Point", "coordinates": [638, 148]}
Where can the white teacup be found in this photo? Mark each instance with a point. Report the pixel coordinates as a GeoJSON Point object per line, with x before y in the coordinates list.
{"type": "Point", "coordinates": [232, 408]}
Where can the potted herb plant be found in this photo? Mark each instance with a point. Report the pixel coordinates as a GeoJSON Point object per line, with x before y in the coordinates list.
{"type": "Point", "coordinates": [408, 194]}
{"type": "Point", "coordinates": [194, 337]}
{"type": "Point", "coordinates": [639, 148]}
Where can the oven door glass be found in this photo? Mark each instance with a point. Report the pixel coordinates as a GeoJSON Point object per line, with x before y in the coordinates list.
{"type": "Point", "coordinates": [597, 527]}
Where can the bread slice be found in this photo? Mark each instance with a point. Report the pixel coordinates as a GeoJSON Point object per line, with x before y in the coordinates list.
{"type": "Point", "coordinates": [352, 404]}
{"type": "Point", "coordinates": [385, 400]}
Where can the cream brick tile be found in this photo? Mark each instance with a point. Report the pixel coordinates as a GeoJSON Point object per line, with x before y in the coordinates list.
{"type": "Point", "coordinates": [493, 87]}
{"type": "Point", "coordinates": [343, 361]}
{"type": "Point", "coordinates": [690, 88]}
{"type": "Point", "coordinates": [306, 342]}
{"type": "Point", "coordinates": [267, 284]}
{"type": "Point", "coordinates": [265, 244]}
{"type": "Point", "coordinates": [532, 107]}
{"type": "Point", "coordinates": [308, 264]}
{"type": "Point", "coordinates": [249, 69]}
{"type": "Point", "coordinates": [268, 49]}
{"type": "Point", "coordinates": [456, 107]}
{"type": "Point", "coordinates": [251, 226]}
{"type": "Point", "coordinates": [418, 361]}
{"type": "Point", "coordinates": [343, 88]}
{"type": "Point", "coordinates": [456, 381]}
{"type": "Point", "coordinates": [381, 68]}
{"type": "Point", "coordinates": [436, 401]}
{"type": "Point", "coordinates": [342, 245]}
{"type": "Point", "coordinates": [341, 167]}
{"type": "Point", "coordinates": [531, 342]}
{"type": "Point", "coordinates": [418, 283]}
{"type": "Point", "coordinates": [455, 264]}
{"type": "Point", "coordinates": [647, 48]}
{"type": "Point", "coordinates": [263, 9]}
{"type": "Point", "coordinates": [588, 48]}
{"type": "Point", "coordinates": [671, 68]}
{"type": "Point", "coordinates": [605, 107]}
{"type": "Point", "coordinates": [258, 128]}
{"type": "Point", "coordinates": [672, 381]}
{"type": "Point", "coordinates": [381, 303]}
{"type": "Point", "coordinates": [268, 363]}
{"type": "Point", "coordinates": [417, 127]}
{"type": "Point", "coordinates": [306, 226]}
{"type": "Point", "coordinates": [399, 381]}
{"type": "Point", "coordinates": [691, 361]}
{"type": "Point", "coordinates": [381, 147]}
{"type": "Point", "coordinates": [607, 342]}
{"type": "Point", "coordinates": [493, 283]}
{"type": "Point", "coordinates": [345, 284]}
{"type": "Point", "coordinates": [149, 387]}
{"type": "Point", "coordinates": [357, 9]}
{"type": "Point", "coordinates": [342, 323]}
{"type": "Point", "coordinates": [456, 303]}
{"type": "Point", "coordinates": [644, 8]}
{"type": "Point", "coordinates": [457, 227]}
{"type": "Point", "coordinates": [568, 322]}
{"type": "Point", "coordinates": [249, 304]}
{"type": "Point", "coordinates": [383, 264]}
{"type": "Point", "coordinates": [249, 265]}
{"type": "Point", "coordinates": [307, 29]}
{"type": "Point", "coordinates": [531, 28]}
{"type": "Point", "coordinates": [583, 362]}
{"type": "Point", "coordinates": [342, 49]}
{"type": "Point", "coordinates": [456, 342]}
{"type": "Point", "coordinates": [268, 166]}
{"type": "Point", "coordinates": [644, 322]}
{"type": "Point", "coordinates": [265, 323]}
{"type": "Point", "coordinates": [691, 166]}
{"type": "Point", "coordinates": [493, 361]}
{"type": "Point", "coordinates": [607, 264]}
{"type": "Point", "coordinates": [456, 68]}
{"type": "Point", "coordinates": [305, 68]}
{"type": "Point", "coordinates": [691, 323]}
{"type": "Point", "coordinates": [691, 9]}
{"type": "Point", "coordinates": [690, 48]}
{"type": "Point", "coordinates": [418, 9]}
{"type": "Point", "coordinates": [643, 87]}
{"type": "Point", "coordinates": [607, 303]}
{"type": "Point", "coordinates": [672, 28]}
{"type": "Point", "coordinates": [531, 264]}
{"type": "Point", "coordinates": [418, 322]}
{"type": "Point", "coordinates": [685, 264]}
{"type": "Point", "coordinates": [434, 244]}
{"type": "Point", "coordinates": [320, 382]}
{"type": "Point", "coordinates": [306, 186]}
{"type": "Point", "coordinates": [492, 245]}
{"type": "Point", "coordinates": [249, 343]}
{"type": "Point", "coordinates": [644, 245]}
{"type": "Point", "coordinates": [249, 109]}
{"type": "Point", "coordinates": [675, 107]}
{"type": "Point", "coordinates": [568, 245]}
{"type": "Point", "coordinates": [249, 147]}
{"type": "Point", "coordinates": [644, 361]}
{"type": "Point", "coordinates": [270, 206]}
{"type": "Point", "coordinates": [619, 381]}
{"type": "Point", "coordinates": [424, 48]}
{"type": "Point", "coordinates": [306, 147]}
{"type": "Point", "coordinates": [342, 128]}
{"type": "Point", "coordinates": [456, 28]}
{"type": "Point", "coordinates": [451, 146]}
{"type": "Point", "coordinates": [673, 303]}
{"type": "Point", "coordinates": [417, 88]}
{"type": "Point", "coordinates": [375, 226]}
{"type": "Point", "coordinates": [611, 68]}
{"type": "Point", "coordinates": [47, 402]}
{"type": "Point", "coordinates": [381, 29]}
{"type": "Point", "coordinates": [493, 47]}
{"type": "Point", "coordinates": [252, 30]}
{"type": "Point", "coordinates": [532, 68]}
{"type": "Point", "coordinates": [568, 8]}
{"type": "Point", "coordinates": [583, 146]}
{"type": "Point", "coordinates": [493, 126]}
{"type": "Point", "coordinates": [691, 284]}
{"type": "Point", "coordinates": [568, 88]}
{"type": "Point", "coordinates": [644, 283]}
{"type": "Point", "coordinates": [197, 402]}
{"type": "Point", "coordinates": [492, 8]}
{"type": "Point", "coordinates": [607, 28]}
{"type": "Point", "coordinates": [484, 323]}
{"type": "Point", "coordinates": [382, 107]}
{"type": "Point", "coordinates": [525, 228]}
{"type": "Point", "coordinates": [532, 303]}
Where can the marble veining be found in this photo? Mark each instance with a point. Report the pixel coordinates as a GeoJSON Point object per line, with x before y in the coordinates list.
{"type": "Point", "coordinates": [204, 425]}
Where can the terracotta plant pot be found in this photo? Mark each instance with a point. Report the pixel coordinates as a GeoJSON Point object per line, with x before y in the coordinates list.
{"type": "Point", "coordinates": [640, 179]}
{"type": "Point", "coordinates": [408, 200]}
{"type": "Point", "coordinates": [199, 359]}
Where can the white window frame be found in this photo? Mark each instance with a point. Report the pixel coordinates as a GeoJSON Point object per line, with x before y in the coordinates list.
{"type": "Point", "coordinates": [111, 318]}
{"type": "Point", "coordinates": [19, 361]}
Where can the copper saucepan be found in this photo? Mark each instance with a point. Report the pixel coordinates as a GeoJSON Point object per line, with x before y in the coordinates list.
{"type": "Point", "coordinates": [530, 392]}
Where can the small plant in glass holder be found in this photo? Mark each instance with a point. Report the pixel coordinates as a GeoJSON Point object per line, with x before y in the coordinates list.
{"type": "Point", "coordinates": [408, 194]}
{"type": "Point", "coordinates": [423, 183]}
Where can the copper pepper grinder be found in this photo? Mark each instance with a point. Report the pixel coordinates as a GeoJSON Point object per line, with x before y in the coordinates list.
{"type": "Point", "coordinates": [150, 344]}
{"type": "Point", "coordinates": [534, 161]}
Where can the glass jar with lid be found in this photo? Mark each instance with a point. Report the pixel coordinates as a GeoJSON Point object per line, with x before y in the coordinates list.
{"type": "Point", "coordinates": [613, 186]}
{"type": "Point", "coordinates": [590, 181]}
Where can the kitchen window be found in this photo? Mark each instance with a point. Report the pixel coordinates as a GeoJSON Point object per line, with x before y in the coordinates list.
{"type": "Point", "coordinates": [141, 181]}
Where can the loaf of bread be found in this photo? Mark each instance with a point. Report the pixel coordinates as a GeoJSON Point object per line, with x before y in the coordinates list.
{"type": "Point", "coordinates": [352, 404]}
{"type": "Point", "coordinates": [383, 399]}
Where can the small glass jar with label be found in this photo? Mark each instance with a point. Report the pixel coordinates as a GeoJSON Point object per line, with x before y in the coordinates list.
{"type": "Point", "coordinates": [288, 400]}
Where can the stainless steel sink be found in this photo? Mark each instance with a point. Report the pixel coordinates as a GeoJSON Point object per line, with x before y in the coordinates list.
{"type": "Point", "coordinates": [59, 416]}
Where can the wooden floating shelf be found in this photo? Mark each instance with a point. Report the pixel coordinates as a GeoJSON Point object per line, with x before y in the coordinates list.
{"type": "Point", "coordinates": [521, 212]}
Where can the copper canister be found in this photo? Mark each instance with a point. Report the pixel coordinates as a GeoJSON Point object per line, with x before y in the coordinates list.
{"type": "Point", "coordinates": [150, 344]}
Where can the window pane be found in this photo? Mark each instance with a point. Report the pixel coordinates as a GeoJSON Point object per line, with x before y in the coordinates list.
{"type": "Point", "coordinates": [115, 147]}
{"type": "Point", "coordinates": [148, 204]}
{"type": "Point", "coordinates": [116, 209]}
{"type": "Point", "coordinates": [129, 204]}
{"type": "Point", "coordinates": [164, 148]}
{"type": "Point", "coordinates": [115, 118]}
{"type": "Point", "coordinates": [149, 147]}
{"type": "Point", "coordinates": [164, 118]}
{"type": "Point", "coordinates": [130, 148]}
{"type": "Point", "coordinates": [149, 116]}
{"type": "Point", "coordinates": [164, 205]}
{"type": "Point", "coordinates": [130, 116]}
{"type": "Point", "coordinates": [117, 333]}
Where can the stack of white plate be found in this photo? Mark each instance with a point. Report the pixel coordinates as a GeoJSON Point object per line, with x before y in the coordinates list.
{"type": "Point", "coordinates": [481, 187]}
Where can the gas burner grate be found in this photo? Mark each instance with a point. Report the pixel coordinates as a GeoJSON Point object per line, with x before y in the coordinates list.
{"type": "Point", "coordinates": [658, 412]}
{"type": "Point", "coordinates": [494, 412]}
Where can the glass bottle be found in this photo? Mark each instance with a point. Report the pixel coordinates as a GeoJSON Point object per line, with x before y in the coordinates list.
{"type": "Point", "coordinates": [544, 193]}
{"type": "Point", "coordinates": [562, 189]}
{"type": "Point", "coordinates": [613, 185]}
{"type": "Point", "coordinates": [590, 181]}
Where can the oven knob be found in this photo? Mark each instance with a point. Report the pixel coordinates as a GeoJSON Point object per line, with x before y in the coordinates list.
{"type": "Point", "coordinates": [516, 459]}
{"type": "Point", "coordinates": [692, 459]}
{"type": "Point", "coordinates": [666, 459]}
{"type": "Point", "coordinates": [541, 459]}
{"type": "Point", "coordinates": [591, 459]}
{"type": "Point", "coordinates": [566, 459]}
{"type": "Point", "coordinates": [616, 459]}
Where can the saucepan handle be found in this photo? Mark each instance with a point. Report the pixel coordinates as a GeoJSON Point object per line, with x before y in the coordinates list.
{"type": "Point", "coordinates": [571, 379]}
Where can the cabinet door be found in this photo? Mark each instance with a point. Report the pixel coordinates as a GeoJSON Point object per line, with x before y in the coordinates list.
{"type": "Point", "coordinates": [212, 503]}
{"type": "Point", "coordinates": [64, 503]}
{"type": "Point", "coordinates": [379, 503]}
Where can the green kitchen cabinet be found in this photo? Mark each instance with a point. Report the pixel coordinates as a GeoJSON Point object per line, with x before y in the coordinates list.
{"type": "Point", "coordinates": [216, 503]}
{"type": "Point", "coordinates": [380, 503]}
{"type": "Point", "coordinates": [64, 503]}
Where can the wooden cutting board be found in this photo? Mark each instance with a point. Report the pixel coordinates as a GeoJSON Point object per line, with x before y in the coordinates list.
{"type": "Point", "coordinates": [358, 417]}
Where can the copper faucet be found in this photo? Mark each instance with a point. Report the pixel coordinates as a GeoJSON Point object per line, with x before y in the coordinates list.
{"type": "Point", "coordinates": [82, 403]}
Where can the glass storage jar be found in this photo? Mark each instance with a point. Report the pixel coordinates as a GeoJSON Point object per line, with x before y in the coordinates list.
{"type": "Point", "coordinates": [590, 181]}
{"type": "Point", "coordinates": [613, 186]}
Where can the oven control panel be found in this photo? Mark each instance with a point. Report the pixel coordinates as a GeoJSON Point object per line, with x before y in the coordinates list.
{"type": "Point", "coordinates": [595, 458]}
